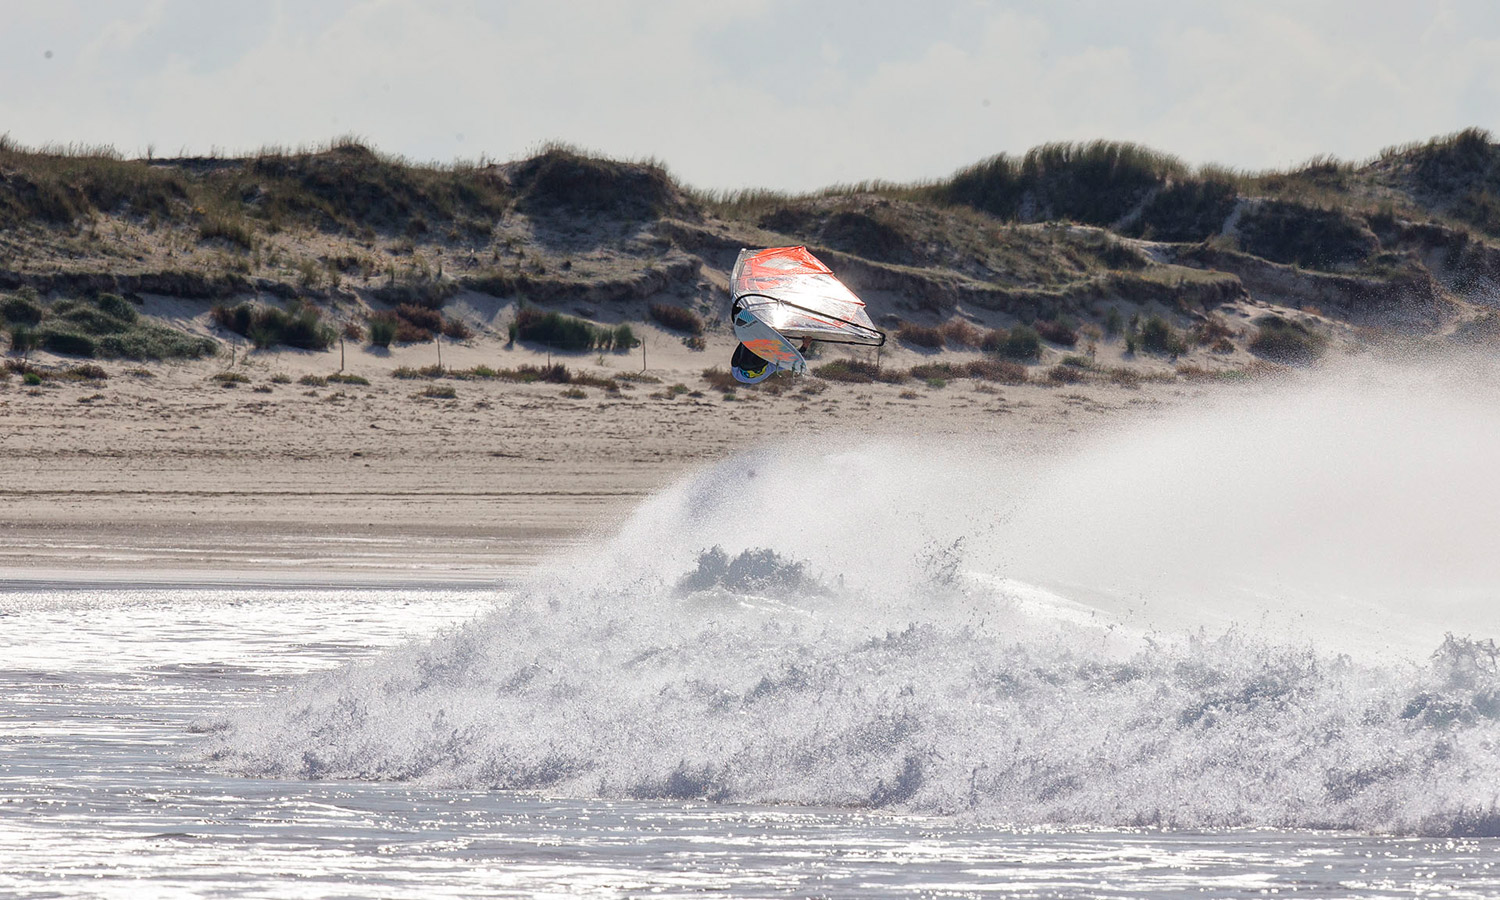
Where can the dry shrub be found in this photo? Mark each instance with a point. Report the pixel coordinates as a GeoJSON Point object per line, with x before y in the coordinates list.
{"type": "Point", "coordinates": [1056, 332]}
{"type": "Point", "coordinates": [85, 372]}
{"type": "Point", "coordinates": [407, 333]}
{"type": "Point", "coordinates": [993, 340]}
{"type": "Point", "coordinates": [720, 380]}
{"type": "Point", "coordinates": [920, 335]}
{"type": "Point", "coordinates": [961, 333]}
{"type": "Point", "coordinates": [1286, 341]}
{"type": "Point", "coordinates": [556, 373]}
{"type": "Point", "coordinates": [847, 370]}
{"type": "Point", "coordinates": [583, 378]}
{"type": "Point", "coordinates": [456, 330]}
{"type": "Point", "coordinates": [677, 318]}
{"type": "Point", "coordinates": [1158, 336]}
{"type": "Point", "coordinates": [1001, 370]}
{"type": "Point", "coordinates": [1212, 332]}
{"type": "Point", "coordinates": [1195, 373]}
{"type": "Point", "coordinates": [428, 320]}
{"type": "Point", "coordinates": [1065, 375]}
{"type": "Point", "coordinates": [776, 386]}
{"type": "Point", "coordinates": [930, 371]}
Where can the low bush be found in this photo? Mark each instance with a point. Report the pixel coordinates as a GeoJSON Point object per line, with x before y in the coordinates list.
{"type": "Point", "coordinates": [583, 378]}
{"type": "Point", "coordinates": [920, 335]}
{"type": "Point", "coordinates": [1057, 332]}
{"type": "Point", "coordinates": [268, 326]}
{"type": "Point", "coordinates": [151, 341]}
{"type": "Point", "coordinates": [1211, 332]}
{"type": "Point", "coordinates": [720, 380]}
{"type": "Point", "coordinates": [420, 317]}
{"type": "Point", "coordinates": [858, 372]}
{"type": "Point", "coordinates": [935, 371]}
{"type": "Point", "coordinates": [960, 333]}
{"type": "Point", "coordinates": [382, 329]}
{"type": "Point", "coordinates": [84, 318]}
{"type": "Point", "coordinates": [117, 307]}
{"type": "Point", "coordinates": [438, 392]}
{"type": "Point", "coordinates": [1283, 340]}
{"type": "Point", "coordinates": [1114, 323]}
{"type": "Point", "coordinates": [85, 372]}
{"type": "Point", "coordinates": [1158, 336]}
{"type": "Point", "coordinates": [677, 318]}
{"type": "Point", "coordinates": [313, 381]}
{"type": "Point", "coordinates": [425, 292]}
{"type": "Point", "coordinates": [219, 228]}
{"type": "Point", "coordinates": [24, 339]}
{"type": "Point", "coordinates": [20, 311]}
{"type": "Point", "coordinates": [67, 343]}
{"type": "Point", "coordinates": [557, 373]}
{"type": "Point", "coordinates": [1022, 342]}
{"type": "Point", "coordinates": [621, 337]}
{"type": "Point", "coordinates": [554, 329]}
{"type": "Point", "coordinates": [345, 378]}
{"type": "Point", "coordinates": [997, 370]}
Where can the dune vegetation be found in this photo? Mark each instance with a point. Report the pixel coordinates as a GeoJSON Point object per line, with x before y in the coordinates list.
{"type": "Point", "coordinates": [1067, 247]}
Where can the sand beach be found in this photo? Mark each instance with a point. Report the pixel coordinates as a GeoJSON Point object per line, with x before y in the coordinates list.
{"type": "Point", "coordinates": [171, 468]}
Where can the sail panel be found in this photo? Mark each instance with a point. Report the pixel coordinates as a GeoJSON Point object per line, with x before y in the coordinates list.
{"type": "Point", "coordinates": [795, 293]}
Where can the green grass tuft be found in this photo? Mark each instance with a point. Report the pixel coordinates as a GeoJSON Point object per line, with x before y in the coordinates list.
{"type": "Point", "coordinates": [553, 329]}
{"type": "Point", "coordinates": [267, 326]}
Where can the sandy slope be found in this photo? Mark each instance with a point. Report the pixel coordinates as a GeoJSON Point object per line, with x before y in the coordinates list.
{"type": "Point", "coordinates": [268, 481]}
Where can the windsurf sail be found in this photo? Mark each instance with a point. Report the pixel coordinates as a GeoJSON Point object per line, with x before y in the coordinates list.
{"type": "Point", "coordinates": [791, 290]}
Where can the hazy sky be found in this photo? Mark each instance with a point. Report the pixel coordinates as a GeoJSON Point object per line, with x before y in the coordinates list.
{"type": "Point", "coordinates": [764, 93]}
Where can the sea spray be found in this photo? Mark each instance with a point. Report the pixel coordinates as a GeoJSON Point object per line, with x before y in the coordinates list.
{"type": "Point", "coordinates": [1154, 627]}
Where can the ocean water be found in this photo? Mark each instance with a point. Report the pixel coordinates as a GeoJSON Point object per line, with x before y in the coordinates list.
{"type": "Point", "coordinates": [1224, 650]}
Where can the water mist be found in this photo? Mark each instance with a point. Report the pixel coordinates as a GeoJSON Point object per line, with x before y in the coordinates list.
{"type": "Point", "coordinates": [1271, 607]}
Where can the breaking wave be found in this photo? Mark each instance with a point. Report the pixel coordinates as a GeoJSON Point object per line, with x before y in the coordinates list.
{"type": "Point", "coordinates": [1272, 613]}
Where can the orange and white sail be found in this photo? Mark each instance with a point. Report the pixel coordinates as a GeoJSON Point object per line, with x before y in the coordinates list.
{"type": "Point", "coordinates": [791, 290]}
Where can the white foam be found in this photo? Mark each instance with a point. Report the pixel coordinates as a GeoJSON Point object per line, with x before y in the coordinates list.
{"type": "Point", "coordinates": [1219, 617]}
